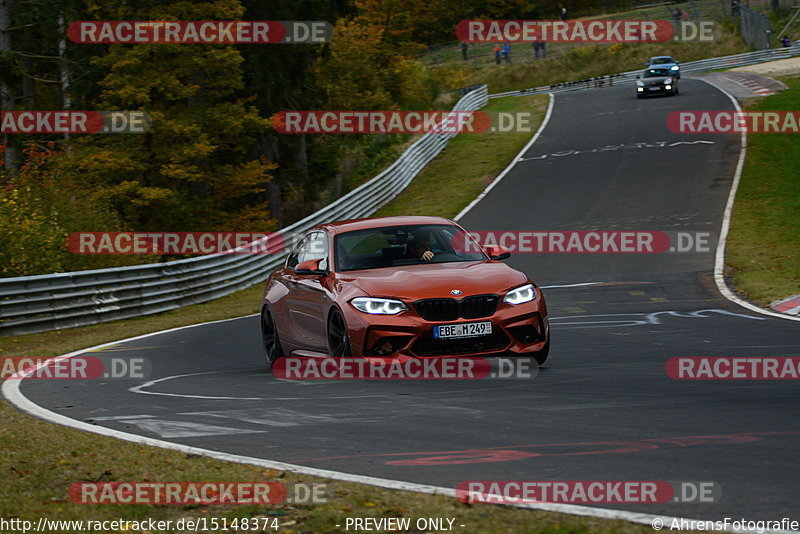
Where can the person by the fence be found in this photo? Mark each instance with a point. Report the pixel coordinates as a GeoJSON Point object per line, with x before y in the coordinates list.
{"type": "Point", "coordinates": [507, 53]}
{"type": "Point", "coordinates": [785, 41]}
{"type": "Point", "coordinates": [536, 46]}
{"type": "Point", "coordinates": [563, 13]}
{"type": "Point", "coordinates": [497, 53]}
{"type": "Point", "coordinates": [464, 47]}
{"type": "Point", "coordinates": [543, 47]}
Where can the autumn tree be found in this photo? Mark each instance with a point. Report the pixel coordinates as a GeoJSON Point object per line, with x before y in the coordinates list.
{"type": "Point", "coordinates": [196, 168]}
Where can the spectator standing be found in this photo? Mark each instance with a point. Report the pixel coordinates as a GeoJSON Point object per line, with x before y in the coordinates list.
{"type": "Point", "coordinates": [497, 53]}
{"type": "Point", "coordinates": [563, 13]}
{"type": "Point", "coordinates": [507, 53]}
{"type": "Point", "coordinates": [464, 47]}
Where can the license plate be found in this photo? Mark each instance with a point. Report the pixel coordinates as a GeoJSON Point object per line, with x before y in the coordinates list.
{"type": "Point", "coordinates": [455, 331]}
{"type": "Point", "coordinates": [653, 88]}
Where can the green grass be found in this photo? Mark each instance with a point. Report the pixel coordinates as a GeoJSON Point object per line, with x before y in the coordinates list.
{"type": "Point", "coordinates": [764, 242]}
{"type": "Point", "coordinates": [468, 164]}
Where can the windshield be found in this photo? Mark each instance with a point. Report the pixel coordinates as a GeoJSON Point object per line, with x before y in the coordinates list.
{"type": "Point", "coordinates": [661, 60]}
{"type": "Point", "coordinates": [656, 73]}
{"type": "Point", "coordinates": [394, 246]}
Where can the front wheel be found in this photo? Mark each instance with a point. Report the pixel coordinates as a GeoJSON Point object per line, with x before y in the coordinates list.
{"type": "Point", "coordinates": [542, 355]}
{"type": "Point", "coordinates": [338, 340]}
{"type": "Point", "coordinates": [269, 337]}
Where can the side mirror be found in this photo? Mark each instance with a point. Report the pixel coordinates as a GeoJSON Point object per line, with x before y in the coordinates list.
{"type": "Point", "coordinates": [497, 253]}
{"type": "Point", "coordinates": [647, 64]}
{"type": "Point", "coordinates": [637, 76]}
{"type": "Point", "coordinates": [310, 267]}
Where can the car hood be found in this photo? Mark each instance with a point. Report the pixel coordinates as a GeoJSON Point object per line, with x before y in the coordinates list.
{"type": "Point", "coordinates": [436, 280]}
{"type": "Point", "coordinates": [655, 80]}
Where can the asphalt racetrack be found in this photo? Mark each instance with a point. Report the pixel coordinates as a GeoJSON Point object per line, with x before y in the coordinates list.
{"type": "Point", "coordinates": [603, 408]}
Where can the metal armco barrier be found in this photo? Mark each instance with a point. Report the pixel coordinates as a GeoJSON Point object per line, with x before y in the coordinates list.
{"type": "Point", "coordinates": [690, 67]}
{"type": "Point", "coordinates": [31, 304]}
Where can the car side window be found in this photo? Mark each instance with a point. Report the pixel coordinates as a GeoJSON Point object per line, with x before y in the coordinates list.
{"type": "Point", "coordinates": [295, 256]}
{"type": "Point", "coordinates": [316, 248]}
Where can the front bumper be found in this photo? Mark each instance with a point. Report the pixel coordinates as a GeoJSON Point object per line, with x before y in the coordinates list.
{"type": "Point", "coordinates": [655, 90]}
{"type": "Point", "coordinates": [520, 329]}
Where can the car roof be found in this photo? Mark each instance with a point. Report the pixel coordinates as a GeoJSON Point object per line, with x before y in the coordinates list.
{"type": "Point", "coordinates": [662, 57]}
{"type": "Point", "coordinates": [339, 227]}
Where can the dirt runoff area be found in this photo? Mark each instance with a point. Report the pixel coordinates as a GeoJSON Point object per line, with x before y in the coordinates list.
{"type": "Point", "coordinates": [782, 67]}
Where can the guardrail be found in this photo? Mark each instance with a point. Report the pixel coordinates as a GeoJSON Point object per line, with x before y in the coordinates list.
{"type": "Point", "coordinates": [31, 304]}
{"type": "Point", "coordinates": [690, 67]}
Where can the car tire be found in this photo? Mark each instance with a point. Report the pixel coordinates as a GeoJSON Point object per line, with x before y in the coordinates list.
{"type": "Point", "coordinates": [338, 339]}
{"type": "Point", "coordinates": [640, 97]}
{"type": "Point", "coordinates": [542, 355]}
{"type": "Point", "coordinates": [269, 337]}
{"type": "Point", "coordinates": [676, 91]}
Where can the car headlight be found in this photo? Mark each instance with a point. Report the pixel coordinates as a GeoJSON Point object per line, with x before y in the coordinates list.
{"type": "Point", "coordinates": [378, 306]}
{"type": "Point", "coordinates": [674, 67]}
{"type": "Point", "coordinates": [520, 295]}
{"type": "Point", "coordinates": [640, 83]}
{"type": "Point", "coordinates": [668, 81]}
{"type": "Point", "coordinates": [668, 87]}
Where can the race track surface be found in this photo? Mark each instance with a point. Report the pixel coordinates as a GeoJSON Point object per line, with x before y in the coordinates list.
{"type": "Point", "coordinates": [603, 408]}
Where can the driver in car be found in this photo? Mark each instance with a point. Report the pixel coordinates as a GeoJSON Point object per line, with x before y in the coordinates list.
{"type": "Point", "coordinates": [419, 248]}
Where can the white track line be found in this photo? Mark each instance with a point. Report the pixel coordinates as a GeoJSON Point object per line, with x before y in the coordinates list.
{"type": "Point", "coordinates": [513, 161]}
{"type": "Point", "coordinates": [719, 261]}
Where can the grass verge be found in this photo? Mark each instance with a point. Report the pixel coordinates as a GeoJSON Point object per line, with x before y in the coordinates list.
{"type": "Point", "coordinates": [41, 460]}
{"type": "Point", "coordinates": [763, 248]}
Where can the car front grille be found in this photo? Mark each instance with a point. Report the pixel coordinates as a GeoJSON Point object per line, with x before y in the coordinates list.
{"type": "Point", "coordinates": [429, 346]}
{"type": "Point", "coordinates": [451, 309]}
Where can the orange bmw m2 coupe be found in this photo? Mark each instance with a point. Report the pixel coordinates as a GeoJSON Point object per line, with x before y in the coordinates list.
{"type": "Point", "coordinates": [400, 286]}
